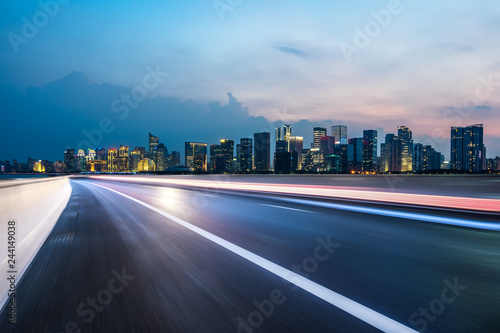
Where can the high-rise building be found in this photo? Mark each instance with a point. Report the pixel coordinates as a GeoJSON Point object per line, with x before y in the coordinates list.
{"type": "Point", "coordinates": [327, 145]}
{"type": "Point", "coordinates": [282, 162]}
{"type": "Point", "coordinates": [80, 164]}
{"type": "Point", "coordinates": [174, 159]}
{"type": "Point", "coordinates": [227, 150]}
{"type": "Point", "coordinates": [196, 151]}
{"type": "Point", "coordinates": [101, 154]}
{"type": "Point", "coordinates": [406, 149]}
{"type": "Point", "coordinates": [425, 158]}
{"type": "Point", "coordinates": [370, 150]}
{"type": "Point", "coordinates": [122, 160]}
{"type": "Point", "coordinates": [245, 155]}
{"type": "Point", "coordinates": [262, 151]}
{"type": "Point", "coordinates": [161, 157]}
{"type": "Point", "coordinates": [200, 163]}
{"type": "Point", "coordinates": [390, 151]}
{"type": "Point", "coordinates": [318, 133]}
{"type": "Point", "coordinates": [340, 134]}
{"type": "Point", "coordinates": [112, 163]}
{"type": "Point", "coordinates": [69, 159]}
{"type": "Point", "coordinates": [296, 144]}
{"type": "Point", "coordinates": [279, 134]}
{"type": "Point", "coordinates": [217, 159]}
{"type": "Point", "coordinates": [136, 156]}
{"type": "Point", "coordinates": [467, 148]}
{"type": "Point", "coordinates": [346, 154]}
{"type": "Point", "coordinates": [287, 132]}
{"type": "Point", "coordinates": [281, 145]}
{"type": "Point", "coordinates": [357, 148]}
{"type": "Point", "coordinates": [153, 143]}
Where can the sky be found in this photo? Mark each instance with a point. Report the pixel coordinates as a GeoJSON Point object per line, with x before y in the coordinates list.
{"type": "Point", "coordinates": [206, 70]}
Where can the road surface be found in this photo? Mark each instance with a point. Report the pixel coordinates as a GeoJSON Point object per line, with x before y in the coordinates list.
{"type": "Point", "coordinates": [128, 257]}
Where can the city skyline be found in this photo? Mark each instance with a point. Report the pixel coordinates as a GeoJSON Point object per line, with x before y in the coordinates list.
{"type": "Point", "coordinates": [299, 73]}
{"type": "Point", "coordinates": [327, 153]}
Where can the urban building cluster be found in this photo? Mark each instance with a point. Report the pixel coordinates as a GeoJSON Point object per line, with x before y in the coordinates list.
{"type": "Point", "coordinates": [337, 153]}
{"type": "Point", "coordinates": [329, 153]}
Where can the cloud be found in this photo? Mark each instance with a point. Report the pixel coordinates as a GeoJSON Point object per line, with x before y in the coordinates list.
{"type": "Point", "coordinates": [291, 50]}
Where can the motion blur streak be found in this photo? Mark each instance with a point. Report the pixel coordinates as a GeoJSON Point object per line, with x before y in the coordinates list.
{"type": "Point", "coordinates": [362, 312]}
{"type": "Point", "coordinates": [399, 214]}
{"type": "Point", "coordinates": [476, 204]}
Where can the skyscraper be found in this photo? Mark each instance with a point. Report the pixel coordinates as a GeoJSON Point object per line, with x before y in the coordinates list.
{"type": "Point", "coordinates": [390, 152]}
{"type": "Point", "coordinates": [406, 150]}
{"type": "Point", "coordinates": [262, 151]}
{"type": "Point", "coordinates": [227, 150]}
{"type": "Point", "coordinates": [136, 156]}
{"type": "Point", "coordinates": [196, 152]}
{"type": "Point", "coordinates": [327, 145]}
{"type": "Point", "coordinates": [161, 157]}
{"type": "Point", "coordinates": [69, 158]}
{"type": "Point", "coordinates": [287, 132]}
{"type": "Point", "coordinates": [153, 143]}
{"type": "Point", "coordinates": [346, 154]}
{"type": "Point", "coordinates": [467, 148]}
{"type": "Point", "coordinates": [279, 134]}
{"type": "Point", "coordinates": [112, 155]}
{"type": "Point", "coordinates": [340, 134]}
{"type": "Point", "coordinates": [245, 155]}
{"type": "Point", "coordinates": [296, 144]}
{"type": "Point", "coordinates": [370, 150]}
{"type": "Point", "coordinates": [122, 161]}
{"type": "Point", "coordinates": [318, 133]}
{"type": "Point", "coordinates": [216, 159]}
{"type": "Point", "coordinates": [357, 147]}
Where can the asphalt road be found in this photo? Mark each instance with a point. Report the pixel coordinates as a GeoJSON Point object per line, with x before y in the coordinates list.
{"type": "Point", "coordinates": [112, 264]}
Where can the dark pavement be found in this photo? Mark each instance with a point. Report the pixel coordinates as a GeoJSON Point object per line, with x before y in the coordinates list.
{"type": "Point", "coordinates": [114, 265]}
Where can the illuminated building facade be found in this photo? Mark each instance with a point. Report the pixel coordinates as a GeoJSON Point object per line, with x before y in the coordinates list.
{"type": "Point", "coordinates": [196, 151]}
{"type": "Point", "coordinates": [227, 150]}
{"type": "Point", "coordinates": [97, 166]}
{"type": "Point", "coordinates": [146, 165]}
{"type": "Point", "coordinates": [112, 160]}
{"type": "Point", "coordinates": [369, 152]}
{"type": "Point", "coordinates": [136, 156]}
{"type": "Point", "coordinates": [406, 148]}
{"type": "Point", "coordinates": [122, 160]}
{"type": "Point", "coordinates": [318, 133]}
{"type": "Point", "coordinates": [340, 134]}
{"type": "Point", "coordinates": [295, 146]}
{"type": "Point", "coordinates": [467, 150]}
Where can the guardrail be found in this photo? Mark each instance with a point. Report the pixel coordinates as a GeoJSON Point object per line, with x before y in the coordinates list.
{"type": "Point", "coordinates": [35, 206]}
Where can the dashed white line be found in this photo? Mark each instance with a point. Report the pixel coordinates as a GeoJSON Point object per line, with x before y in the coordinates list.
{"type": "Point", "coordinates": [289, 208]}
{"type": "Point", "coordinates": [357, 310]}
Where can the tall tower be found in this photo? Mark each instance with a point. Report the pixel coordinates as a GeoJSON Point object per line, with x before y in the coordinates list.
{"type": "Point", "coordinates": [153, 143]}
{"type": "Point", "coordinates": [467, 148]}
{"type": "Point", "coordinates": [370, 150]}
{"type": "Point", "coordinates": [406, 151]}
{"type": "Point", "coordinates": [318, 133]}
{"type": "Point", "coordinates": [245, 155]}
{"type": "Point", "coordinates": [262, 151]}
{"type": "Point", "coordinates": [340, 134]}
{"type": "Point", "coordinates": [287, 132]}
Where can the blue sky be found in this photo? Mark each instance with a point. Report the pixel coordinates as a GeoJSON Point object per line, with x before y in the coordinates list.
{"type": "Point", "coordinates": [281, 61]}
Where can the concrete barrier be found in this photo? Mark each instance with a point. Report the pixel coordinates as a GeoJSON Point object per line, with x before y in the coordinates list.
{"type": "Point", "coordinates": [35, 205]}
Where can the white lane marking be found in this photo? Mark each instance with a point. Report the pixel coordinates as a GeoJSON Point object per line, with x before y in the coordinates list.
{"type": "Point", "coordinates": [282, 207]}
{"type": "Point", "coordinates": [359, 311]}
{"type": "Point", "coordinates": [405, 215]}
